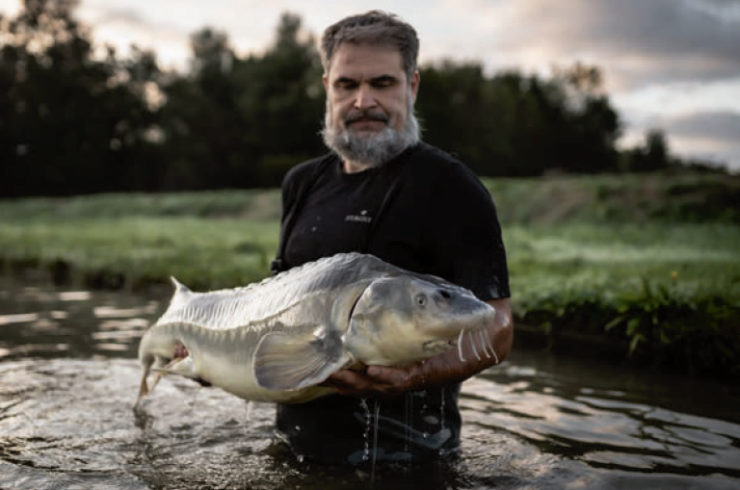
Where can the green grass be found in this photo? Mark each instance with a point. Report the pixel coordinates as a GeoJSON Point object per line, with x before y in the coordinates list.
{"type": "Point", "coordinates": [132, 252]}
{"type": "Point", "coordinates": [638, 198]}
{"type": "Point", "coordinates": [650, 264]}
{"type": "Point", "coordinates": [258, 205]}
{"type": "Point", "coordinates": [551, 259]}
{"type": "Point", "coordinates": [205, 239]}
{"type": "Point", "coordinates": [666, 294]}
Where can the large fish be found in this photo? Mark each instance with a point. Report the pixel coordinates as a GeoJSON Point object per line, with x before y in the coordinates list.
{"type": "Point", "coordinates": [278, 339]}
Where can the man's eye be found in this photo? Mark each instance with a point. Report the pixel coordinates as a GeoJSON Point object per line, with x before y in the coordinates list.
{"type": "Point", "coordinates": [383, 83]}
{"type": "Point", "coordinates": [346, 85]}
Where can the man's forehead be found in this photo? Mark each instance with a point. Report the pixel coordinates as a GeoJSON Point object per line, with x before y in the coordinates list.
{"type": "Point", "coordinates": [366, 60]}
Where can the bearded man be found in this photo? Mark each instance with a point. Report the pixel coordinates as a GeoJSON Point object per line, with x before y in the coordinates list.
{"type": "Point", "coordinates": [383, 191]}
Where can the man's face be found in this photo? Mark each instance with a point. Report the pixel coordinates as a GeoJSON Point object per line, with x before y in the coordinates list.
{"type": "Point", "coordinates": [369, 103]}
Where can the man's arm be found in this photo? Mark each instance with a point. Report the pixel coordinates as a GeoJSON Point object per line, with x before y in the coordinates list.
{"type": "Point", "coordinates": [440, 370]}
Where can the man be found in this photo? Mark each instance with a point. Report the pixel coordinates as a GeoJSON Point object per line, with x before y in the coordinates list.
{"type": "Point", "coordinates": [382, 191]}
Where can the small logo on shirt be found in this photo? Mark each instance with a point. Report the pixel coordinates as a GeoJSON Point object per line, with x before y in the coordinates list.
{"type": "Point", "coordinates": [361, 218]}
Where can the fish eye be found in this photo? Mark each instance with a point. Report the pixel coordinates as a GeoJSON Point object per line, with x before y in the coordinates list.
{"type": "Point", "coordinates": [421, 299]}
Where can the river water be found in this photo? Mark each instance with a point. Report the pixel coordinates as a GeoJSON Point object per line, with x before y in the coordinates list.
{"type": "Point", "coordinates": [69, 378]}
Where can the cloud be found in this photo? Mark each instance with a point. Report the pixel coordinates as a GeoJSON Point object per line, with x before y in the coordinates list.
{"type": "Point", "coordinates": [115, 15]}
{"type": "Point", "coordinates": [167, 25]}
{"type": "Point", "coordinates": [124, 25]}
{"type": "Point", "coordinates": [641, 42]}
{"type": "Point", "coordinates": [711, 135]}
{"type": "Point", "coordinates": [130, 17]}
{"type": "Point", "coordinates": [720, 125]}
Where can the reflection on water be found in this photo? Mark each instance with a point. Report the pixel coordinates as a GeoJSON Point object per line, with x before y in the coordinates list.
{"type": "Point", "coordinates": [43, 322]}
{"type": "Point", "coordinates": [608, 420]}
{"type": "Point", "coordinates": [69, 378]}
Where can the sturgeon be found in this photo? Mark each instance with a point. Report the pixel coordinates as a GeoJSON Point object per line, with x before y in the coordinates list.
{"type": "Point", "coordinates": [278, 339]}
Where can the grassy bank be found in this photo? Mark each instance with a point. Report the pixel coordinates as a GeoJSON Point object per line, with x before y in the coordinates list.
{"type": "Point", "coordinates": [646, 266]}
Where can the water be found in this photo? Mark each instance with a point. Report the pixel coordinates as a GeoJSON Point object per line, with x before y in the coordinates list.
{"type": "Point", "coordinates": [69, 378]}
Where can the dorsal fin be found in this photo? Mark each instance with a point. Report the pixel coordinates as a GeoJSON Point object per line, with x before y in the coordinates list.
{"type": "Point", "coordinates": [181, 291]}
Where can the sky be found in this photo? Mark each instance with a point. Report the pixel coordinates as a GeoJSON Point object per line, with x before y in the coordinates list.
{"type": "Point", "coordinates": [673, 65]}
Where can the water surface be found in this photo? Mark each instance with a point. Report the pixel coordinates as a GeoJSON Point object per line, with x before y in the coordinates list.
{"type": "Point", "coordinates": [69, 378]}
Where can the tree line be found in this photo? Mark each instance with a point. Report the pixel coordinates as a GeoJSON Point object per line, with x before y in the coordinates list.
{"type": "Point", "coordinates": [79, 118]}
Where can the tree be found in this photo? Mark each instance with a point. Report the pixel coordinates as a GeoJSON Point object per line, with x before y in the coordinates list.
{"type": "Point", "coordinates": [282, 101]}
{"type": "Point", "coordinates": [201, 123]}
{"type": "Point", "coordinates": [520, 125]}
{"type": "Point", "coordinates": [71, 123]}
{"type": "Point", "coordinates": [592, 126]}
{"type": "Point", "coordinates": [651, 156]}
{"type": "Point", "coordinates": [242, 122]}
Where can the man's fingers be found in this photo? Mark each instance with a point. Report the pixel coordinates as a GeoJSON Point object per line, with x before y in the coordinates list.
{"type": "Point", "coordinates": [374, 381]}
{"type": "Point", "coordinates": [381, 373]}
{"type": "Point", "coordinates": [346, 381]}
{"type": "Point", "coordinates": [392, 378]}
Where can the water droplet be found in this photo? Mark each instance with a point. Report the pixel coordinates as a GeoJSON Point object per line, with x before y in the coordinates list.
{"type": "Point", "coordinates": [366, 435]}
{"type": "Point", "coordinates": [442, 408]}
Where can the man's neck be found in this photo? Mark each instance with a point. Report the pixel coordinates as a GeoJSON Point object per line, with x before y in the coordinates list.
{"type": "Point", "coordinates": [352, 167]}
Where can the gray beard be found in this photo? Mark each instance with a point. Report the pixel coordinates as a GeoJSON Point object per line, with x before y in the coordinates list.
{"type": "Point", "coordinates": [375, 149]}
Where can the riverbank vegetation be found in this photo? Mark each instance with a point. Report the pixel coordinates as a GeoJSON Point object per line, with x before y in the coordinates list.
{"type": "Point", "coordinates": [646, 268]}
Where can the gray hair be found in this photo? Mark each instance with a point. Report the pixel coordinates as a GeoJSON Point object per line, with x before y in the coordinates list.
{"type": "Point", "coordinates": [374, 28]}
{"type": "Point", "coordinates": [378, 149]}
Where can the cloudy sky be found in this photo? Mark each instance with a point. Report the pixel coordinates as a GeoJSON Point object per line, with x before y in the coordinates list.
{"type": "Point", "coordinates": [669, 64]}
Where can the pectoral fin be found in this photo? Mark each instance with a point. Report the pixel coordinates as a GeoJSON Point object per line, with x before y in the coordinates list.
{"type": "Point", "coordinates": [284, 361]}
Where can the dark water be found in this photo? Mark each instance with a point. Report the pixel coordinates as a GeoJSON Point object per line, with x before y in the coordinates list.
{"type": "Point", "coordinates": [69, 378]}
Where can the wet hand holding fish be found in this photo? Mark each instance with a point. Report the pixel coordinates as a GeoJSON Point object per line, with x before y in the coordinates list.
{"type": "Point", "coordinates": [278, 339]}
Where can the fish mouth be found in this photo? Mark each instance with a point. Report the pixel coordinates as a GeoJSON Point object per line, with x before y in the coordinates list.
{"type": "Point", "coordinates": [179, 352]}
{"type": "Point", "coordinates": [436, 346]}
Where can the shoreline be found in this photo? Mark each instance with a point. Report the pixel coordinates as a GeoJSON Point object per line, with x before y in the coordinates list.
{"type": "Point", "coordinates": [552, 339]}
{"type": "Point", "coordinates": [642, 265]}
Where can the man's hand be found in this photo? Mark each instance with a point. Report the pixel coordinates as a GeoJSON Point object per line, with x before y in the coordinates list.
{"type": "Point", "coordinates": [377, 381]}
{"type": "Point", "coordinates": [440, 370]}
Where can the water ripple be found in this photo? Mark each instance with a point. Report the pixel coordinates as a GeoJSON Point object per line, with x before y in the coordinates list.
{"type": "Point", "coordinates": [602, 427]}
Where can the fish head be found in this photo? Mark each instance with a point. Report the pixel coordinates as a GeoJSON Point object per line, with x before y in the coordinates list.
{"type": "Point", "coordinates": [402, 319]}
{"type": "Point", "coordinates": [157, 350]}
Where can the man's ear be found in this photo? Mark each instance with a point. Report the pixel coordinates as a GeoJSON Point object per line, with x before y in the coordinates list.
{"type": "Point", "coordinates": [414, 83]}
{"type": "Point", "coordinates": [325, 81]}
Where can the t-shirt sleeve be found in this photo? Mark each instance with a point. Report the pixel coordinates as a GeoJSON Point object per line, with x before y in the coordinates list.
{"type": "Point", "coordinates": [289, 195]}
{"type": "Point", "coordinates": [465, 234]}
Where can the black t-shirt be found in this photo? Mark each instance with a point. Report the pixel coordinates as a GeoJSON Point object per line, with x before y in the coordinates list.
{"type": "Point", "coordinates": [426, 212]}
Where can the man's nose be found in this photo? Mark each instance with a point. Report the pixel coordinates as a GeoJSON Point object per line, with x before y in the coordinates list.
{"type": "Point", "coordinates": [365, 98]}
